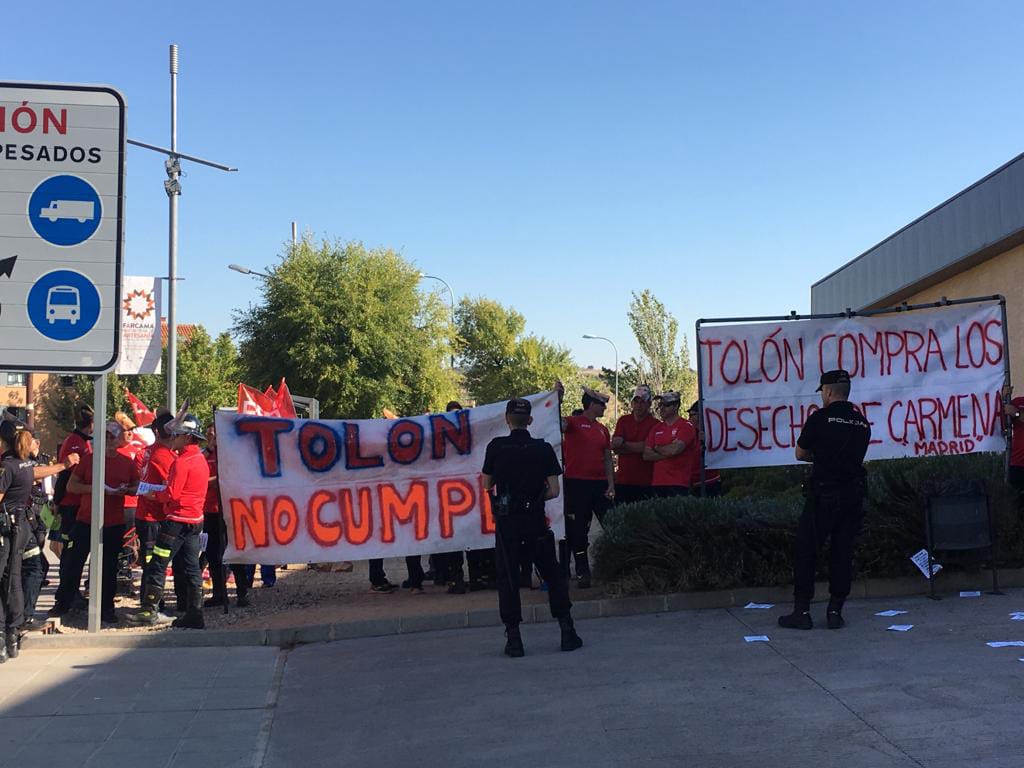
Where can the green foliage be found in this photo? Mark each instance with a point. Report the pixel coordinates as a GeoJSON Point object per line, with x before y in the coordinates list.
{"type": "Point", "coordinates": [498, 361]}
{"type": "Point", "coordinates": [348, 326]}
{"type": "Point", "coordinates": [745, 538]}
{"type": "Point", "coordinates": [663, 365]}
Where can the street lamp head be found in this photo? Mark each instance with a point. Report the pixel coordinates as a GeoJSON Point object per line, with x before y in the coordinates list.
{"type": "Point", "coordinates": [240, 268]}
{"type": "Point", "coordinates": [588, 336]}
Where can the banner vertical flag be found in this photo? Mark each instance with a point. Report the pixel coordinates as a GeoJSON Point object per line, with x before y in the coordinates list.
{"type": "Point", "coordinates": [143, 416]}
{"type": "Point", "coordinates": [140, 326]}
{"type": "Point", "coordinates": [928, 380]}
{"type": "Point", "coordinates": [307, 491]}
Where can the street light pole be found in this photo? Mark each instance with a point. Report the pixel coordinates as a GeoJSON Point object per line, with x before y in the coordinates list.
{"type": "Point", "coordinates": [451, 297]}
{"type": "Point", "coordinates": [615, 408]}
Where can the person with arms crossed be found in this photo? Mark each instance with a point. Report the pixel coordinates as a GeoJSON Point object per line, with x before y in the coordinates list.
{"type": "Point", "coordinates": [672, 449]}
{"type": "Point", "coordinates": [834, 439]}
{"type": "Point", "coordinates": [633, 475]}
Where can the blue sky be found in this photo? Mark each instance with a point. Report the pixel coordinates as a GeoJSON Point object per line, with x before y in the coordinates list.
{"type": "Point", "coordinates": [552, 156]}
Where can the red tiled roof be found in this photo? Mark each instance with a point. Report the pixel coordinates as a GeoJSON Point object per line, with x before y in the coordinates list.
{"type": "Point", "coordinates": [185, 331]}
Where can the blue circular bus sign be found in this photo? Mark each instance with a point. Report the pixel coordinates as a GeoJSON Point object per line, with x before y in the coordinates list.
{"type": "Point", "coordinates": [63, 305]}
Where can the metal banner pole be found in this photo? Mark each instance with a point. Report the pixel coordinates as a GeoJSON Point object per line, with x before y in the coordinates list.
{"type": "Point", "coordinates": [173, 188]}
{"type": "Point", "coordinates": [700, 409]}
{"type": "Point", "coordinates": [99, 462]}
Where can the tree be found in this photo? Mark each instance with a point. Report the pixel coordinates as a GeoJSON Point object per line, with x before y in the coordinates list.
{"type": "Point", "coordinates": [498, 361]}
{"type": "Point", "coordinates": [348, 326]}
{"type": "Point", "coordinates": [662, 365]}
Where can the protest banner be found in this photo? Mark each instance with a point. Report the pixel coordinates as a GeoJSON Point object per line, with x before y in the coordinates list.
{"type": "Point", "coordinates": [300, 490]}
{"type": "Point", "coordinates": [140, 326]}
{"type": "Point", "coordinates": [928, 380]}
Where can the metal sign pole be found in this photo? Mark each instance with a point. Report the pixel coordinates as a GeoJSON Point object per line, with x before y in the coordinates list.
{"type": "Point", "coordinates": [99, 462]}
{"type": "Point", "coordinates": [173, 187]}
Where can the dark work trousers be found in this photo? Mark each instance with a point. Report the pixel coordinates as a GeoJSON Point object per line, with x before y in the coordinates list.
{"type": "Point", "coordinates": [72, 563]}
{"type": "Point", "coordinates": [377, 575]}
{"type": "Point", "coordinates": [175, 539]}
{"type": "Point", "coordinates": [515, 535]}
{"type": "Point", "coordinates": [147, 531]}
{"type": "Point", "coordinates": [12, 598]}
{"type": "Point", "coordinates": [448, 565]}
{"type": "Point", "coordinates": [33, 568]}
{"type": "Point", "coordinates": [1017, 483]}
{"type": "Point", "coordinates": [67, 520]}
{"type": "Point", "coordinates": [414, 566]}
{"type": "Point", "coordinates": [481, 565]}
{"type": "Point", "coordinates": [628, 494]}
{"type": "Point", "coordinates": [216, 542]}
{"type": "Point", "coordinates": [670, 491]}
{"type": "Point", "coordinates": [584, 500]}
{"type": "Point", "coordinates": [834, 512]}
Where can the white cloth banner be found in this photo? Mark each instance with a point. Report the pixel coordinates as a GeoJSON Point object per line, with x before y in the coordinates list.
{"type": "Point", "coordinates": [928, 380]}
{"type": "Point", "coordinates": [140, 326]}
{"type": "Point", "coordinates": [302, 491]}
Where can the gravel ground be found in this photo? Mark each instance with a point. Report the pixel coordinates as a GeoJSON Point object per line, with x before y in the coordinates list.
{"type": "Point", "coordinates": [306, 597]}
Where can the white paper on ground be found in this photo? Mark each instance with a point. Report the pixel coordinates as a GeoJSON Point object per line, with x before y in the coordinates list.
{"type": "Point", "coordinates": [760, 606]}
{"type": "Point", "coordinates": [890, 613]}
{"type": "Point", "coordinates": [900, 627]}
{"type": "Point", "coordinates": [1006, 644]}
{"type": "Point", "coordinates": [921, 561]}
{"type": "Point", "coordinates": [1017, 617]}
{"type": "Point", "coordinates": [145, 488]}
{"type": "Point", "coordinates": [970, 594]}
{"type": "Point", "coordinates": [757, 638]}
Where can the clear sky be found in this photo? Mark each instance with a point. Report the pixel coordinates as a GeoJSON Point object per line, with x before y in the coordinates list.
{"type": "Point", "coordinates": [554, 156]}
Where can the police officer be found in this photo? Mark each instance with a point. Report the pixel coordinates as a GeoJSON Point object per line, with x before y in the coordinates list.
{"type": "Point", "coordinates": [522, 472]}
{"type": "Point", "coordinates": [18, 472]}
{"type": "Point", "coordinates": [834, 439]}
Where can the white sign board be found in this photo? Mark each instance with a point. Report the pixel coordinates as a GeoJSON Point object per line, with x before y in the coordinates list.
{"type": "Point", "coordinates": [140, 326]}
{"type": "Point", "coordinates": [62, 150]}
{"type": "Point", "coordinates": [929, 382]}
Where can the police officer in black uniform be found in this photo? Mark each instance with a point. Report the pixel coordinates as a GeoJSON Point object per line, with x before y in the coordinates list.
{"type": "Point", "coordinates": [835, 439]}
{"type": "Point", "coordinates": [521, 473]}
{"type": "Point", "coordinates": [18, 472]}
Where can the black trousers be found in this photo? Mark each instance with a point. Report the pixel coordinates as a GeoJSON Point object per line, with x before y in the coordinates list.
{"type": "Point", "coordinates": [448, 566]}
{"type": "Point", "coordinates": [216, 542]}
{"type": "Point", "coordinates": [414, 565]}
{"type": "Point", "coordinates": [181, 541]}
{"type": "Point", "coordinates": [72, 563]}
{"type": "Point", "coordinates": [584, 500]}
{"type": "Point", "coordinates": [516, 535]}
{"type": "Point", "coordinates": [12, 598]}
{"type": "Point", "coordinates": [670, 491]}
{"type": "Point", "coordinates": [1017, 483]}
{"type": "Point", "coordinates": [627, 494]}
{"type": "Point", "coordinates": [834, 513]}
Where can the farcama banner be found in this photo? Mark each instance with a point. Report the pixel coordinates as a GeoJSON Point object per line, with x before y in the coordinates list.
{"type": "Point", "coordinates": [301, 490]}
{"type": "Point", "coordinates": [141, 344]}
{"type": "Point", "coordinates": [928, 380]}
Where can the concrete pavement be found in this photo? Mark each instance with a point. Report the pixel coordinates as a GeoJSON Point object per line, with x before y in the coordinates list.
{"type": "Point", "coordinates": [659, 690]}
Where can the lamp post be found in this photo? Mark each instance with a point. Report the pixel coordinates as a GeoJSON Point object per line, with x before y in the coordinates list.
{"type": "Point", "coordinates": [615, 408]}
{"type": "Point", "coordinates": [247, 271]}
{"type": "Point", "coordinates": [451, 297]}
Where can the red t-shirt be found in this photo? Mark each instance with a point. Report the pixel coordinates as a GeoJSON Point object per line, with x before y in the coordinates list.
{"type": "Point", "coordinates": [212, 506]}
{"type": "Point", "coordinates": [157, 468]}
{"type": "Point", "coordinates": [1017, 443]}
{"type": "Point", "coordinates": [186, 486]}
{"type": "Point", "coordinates": [584, 444]}
{"type": "Point", "coordinates": [119, 470]}
{"type": "Point", "coordinates": [76, 442]}
{"type": "Point", "coordinates": [136, 453]}
{"type": "Point", "coordinates": [633, 470]}
{"type": "Point", "coordinates": [678, 469]}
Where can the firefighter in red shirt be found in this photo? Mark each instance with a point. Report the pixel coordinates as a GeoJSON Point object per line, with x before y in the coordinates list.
{"type": "Point", "coordinates": [589, 475]}
{"type": "Point", "coordinates": [184, 498]}
{"type": "Point", "coordinates": [672, 447]}
{"type": "Point", "coordinates": [80, 442]}
{"type": "Point", "coordinates": [712, 477]}
{"type": "Point", "coordinates": [156, 467]}
{"type": "Point", "coordinates": [633, 475]}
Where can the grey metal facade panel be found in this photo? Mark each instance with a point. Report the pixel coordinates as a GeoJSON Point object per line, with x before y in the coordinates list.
{"type": "Point", "coordinates": [986, 213]}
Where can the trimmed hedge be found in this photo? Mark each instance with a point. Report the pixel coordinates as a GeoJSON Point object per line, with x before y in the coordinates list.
{"type": "Point", "coordinates": [745, 538]}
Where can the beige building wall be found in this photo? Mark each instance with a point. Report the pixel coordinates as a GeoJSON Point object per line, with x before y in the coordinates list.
{"type": "Point", "coordinates": [1003, 274]}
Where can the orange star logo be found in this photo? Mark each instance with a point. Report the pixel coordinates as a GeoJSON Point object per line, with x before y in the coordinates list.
{"type": "Point", "coordinates": [139, 305]}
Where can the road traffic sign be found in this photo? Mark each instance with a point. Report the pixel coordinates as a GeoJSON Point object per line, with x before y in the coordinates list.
{"type": "Point", "coordinates": [62, 159]}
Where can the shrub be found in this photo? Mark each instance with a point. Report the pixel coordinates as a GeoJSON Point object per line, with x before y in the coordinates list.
{"type": "Point", "coordinates": [745, 538]}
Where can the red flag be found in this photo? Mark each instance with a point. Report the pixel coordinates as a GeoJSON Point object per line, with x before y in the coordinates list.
{"type": "Point", "coordinates": [254, 402]}
{"type": "Point", "coordinates": [283, 402]}
{"type": "Point", "coordinates": [270, 393]}
{"type": "Point", "coordinates": [143, 416]}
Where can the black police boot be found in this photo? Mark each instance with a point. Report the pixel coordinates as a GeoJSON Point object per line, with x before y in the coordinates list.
{"type": "Point", "coordinates": [190, 620]}
{"type": "Point", "coordinates": [570, 640]}
{"type": "Point", "coordinates": [513, 642]}
{"type": "Point", "coordinates": [12, 643]}
{"type": "Point", "coordinates": [834, 614]}
{"type": "Point", "coordinates": [800, 618]}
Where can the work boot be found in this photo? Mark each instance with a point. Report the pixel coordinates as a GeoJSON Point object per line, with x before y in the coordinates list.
{"type": "Point", "coordinates": [242, 598]}
{"type": "Point", "coordinates": [12, 643]}
{"type": "Point", "coordinates": [800, 618]}
{"type": "Point", "coordinates": [148, 617]}
{"type": "Point", "coordinates": [214, 602]}
{"type": "Point", "coordinates": [514, 642]}
{"type": "Point", "coordinates": [834, 614]}
{"type": "Point", "coordinates": [570, 640]}
{"type": "Point", "coordinates": [190, 620]}
{"type": "Point", "coordinates": [3, 652]}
